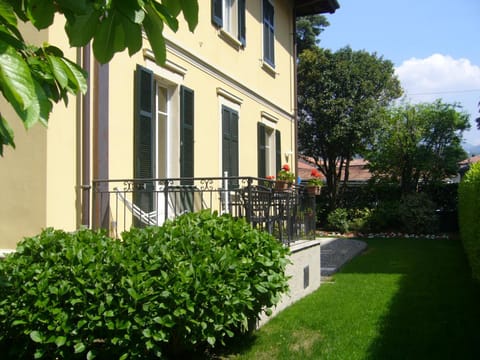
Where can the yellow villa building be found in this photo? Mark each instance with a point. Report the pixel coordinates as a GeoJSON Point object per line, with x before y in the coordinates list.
{"type": "Point", "coordinates": [223, 103]}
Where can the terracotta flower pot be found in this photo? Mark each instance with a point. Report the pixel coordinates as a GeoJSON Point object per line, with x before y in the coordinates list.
{"type": "Point", "coordinates": [313, 190]}
{"type": "Point", "coordinates": [282, 185]}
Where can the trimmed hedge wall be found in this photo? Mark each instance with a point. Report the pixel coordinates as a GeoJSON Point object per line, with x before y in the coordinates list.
{"type": "Point", "coordinates": [469, 217]}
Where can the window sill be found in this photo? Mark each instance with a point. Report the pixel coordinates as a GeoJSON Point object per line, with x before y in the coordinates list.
{"type": "Point", "coordinates": [269, 68]}
{"type": "Point", "coordinates": [230, 39]}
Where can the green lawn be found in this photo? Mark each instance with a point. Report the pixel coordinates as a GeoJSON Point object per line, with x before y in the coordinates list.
{"type": "Point", "coordinates": [401, 299]}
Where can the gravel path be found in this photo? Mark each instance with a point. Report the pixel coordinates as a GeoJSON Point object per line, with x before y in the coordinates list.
{"type": "Point", "coordinates": [335, 252]}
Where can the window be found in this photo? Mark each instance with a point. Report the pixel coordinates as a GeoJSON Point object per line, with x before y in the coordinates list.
{"type": "Point", "coordinates": [229, 15]}
{"type": "Point", "coordinates": [154, 124]}
{"type": "Point", "coordinates": [268, 33]}
{"type": "Point", "coordinates": [229, 141]}
{"type": "Point", "coordinates": [269, 150]}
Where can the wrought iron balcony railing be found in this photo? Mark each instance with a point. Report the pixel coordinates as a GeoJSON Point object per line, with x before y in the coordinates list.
{"type": "Point", "coordinates": [287, 213]}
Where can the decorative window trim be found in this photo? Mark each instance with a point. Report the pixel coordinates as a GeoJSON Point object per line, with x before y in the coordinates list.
{"type": "Point", "coordinates": [230, 39]}
{"type": "Point", "coordinates": [229, 96]}
{"type": "Point", "coordinates": [268, 119]}
{"type": "Point", "coordinates": [269, 69]}
{"type": "Point", "coordinates": [169, 65]}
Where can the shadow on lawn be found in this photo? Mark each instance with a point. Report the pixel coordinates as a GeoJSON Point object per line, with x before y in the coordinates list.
{"type": "Point", "coordinates": [436, 312]}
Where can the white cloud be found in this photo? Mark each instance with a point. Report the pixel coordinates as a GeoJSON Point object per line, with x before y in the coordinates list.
{"type": "Point", "coordinates": [443, 77]}
{"type": "Point", "coordinates": [438, 76]}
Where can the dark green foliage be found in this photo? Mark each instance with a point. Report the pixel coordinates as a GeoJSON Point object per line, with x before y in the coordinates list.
{"type": "Point", "coordinates": [416, 213]}
{"type": "Point", "coordinates": [344, 220]}
{"type": "Point", "coordinates": [419, 144]}
{"type": "Point", "coordinates": [341, 98]}
{"type": "Point", "coordinates": [378, 207]}
{"type": "Point", "coordinates": [308, 29]}
{"type": "Point", "coordinates": [338, 220]}
{"type": "Point", "coordinates": [469, 217]}
{"type": "Point", "coordinates": [160, 292]}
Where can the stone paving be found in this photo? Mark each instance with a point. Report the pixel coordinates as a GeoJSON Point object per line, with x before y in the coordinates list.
{"type": "Point", "coordinates": [335, 252]}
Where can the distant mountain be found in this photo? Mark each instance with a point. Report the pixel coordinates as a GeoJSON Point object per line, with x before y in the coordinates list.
{"type": "Point", "coordinates": [471, 149]}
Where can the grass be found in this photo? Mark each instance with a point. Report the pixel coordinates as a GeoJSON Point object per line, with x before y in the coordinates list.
{"type": "Point", "coordinates": [401, 299]}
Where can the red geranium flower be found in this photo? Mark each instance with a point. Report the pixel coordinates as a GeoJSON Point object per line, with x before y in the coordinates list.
{"type": "Point", "coordinates": [286, 167]}
{"type": "Point", "coordinates": [315, 173]}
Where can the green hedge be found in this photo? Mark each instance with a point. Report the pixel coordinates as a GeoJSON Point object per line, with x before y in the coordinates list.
{"type": "Point", "coordinates": [161, 292]}
{"type": "Point", "coordinates": [469, 217]}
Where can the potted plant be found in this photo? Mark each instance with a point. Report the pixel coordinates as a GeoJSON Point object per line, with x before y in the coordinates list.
{"type": "Point", "coordinates": [315, 183]}
{"type": "Point", "coordinates": [285, 178]}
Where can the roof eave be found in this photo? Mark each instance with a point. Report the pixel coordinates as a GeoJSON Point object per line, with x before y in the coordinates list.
{"type": "Point", "coordinates": [311, 7]}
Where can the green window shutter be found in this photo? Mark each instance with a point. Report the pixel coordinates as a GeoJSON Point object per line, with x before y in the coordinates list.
{"type": "Point", "coordinates": [241, 23]}
{"type": "Point", "coordinates": [144, 145]}
{"type": "Point", "coordinates": [262, 153]}
{"type": "Point", "coordinates": [217, 13]}
{"type": "Point", "coordinates": [278, 150]}
{"type": "Point", "coordinates": [186, 133]}
{"type": "Point", "coordinates": [144, 123]}
{"type": "Point", "coordinates": [268, 33]}
{"type": "Point", "coordinates": [230, 141]}
{"type": "Point", "coordinates": [234, 144]}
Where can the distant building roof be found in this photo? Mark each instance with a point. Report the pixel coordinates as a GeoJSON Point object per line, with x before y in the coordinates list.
{"type": "Point", "coordinates": [470, 160]}
{"type": "Point", "coordinates": [358, 172]}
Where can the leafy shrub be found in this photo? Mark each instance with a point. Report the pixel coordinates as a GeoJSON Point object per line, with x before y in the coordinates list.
{"type": "Point", "coordinates": [159, 292]}
{"type": "Point", "coordinates": [338, 220]}
{"type": "Point", "coordinates": [469, 217]}
{"type": "Point", "coordinates": [417, 214]}
{"type": "Point", "coordinates": [359, 219]}
{"type": "Point", "coordinates": [385, 216]}
{"type": "Point", "coordinates": [344, 220]}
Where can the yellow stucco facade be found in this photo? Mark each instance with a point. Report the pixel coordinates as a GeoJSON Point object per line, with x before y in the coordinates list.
{"type": "Point", "coordinates": [41, 180]}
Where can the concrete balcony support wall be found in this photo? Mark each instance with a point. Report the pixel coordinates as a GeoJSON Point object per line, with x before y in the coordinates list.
{"type": "Point", "coordinates": [305, 274]}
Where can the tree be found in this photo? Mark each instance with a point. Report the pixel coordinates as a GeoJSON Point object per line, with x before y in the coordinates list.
{"type": "Point", "coordinates": [419, 144]}
{"type": "Point", "coordinates": [33, 78]}
{"type": "Point", "coordinates": [340, 97]}
{"type": "Point", "coordinates": [308, 29]}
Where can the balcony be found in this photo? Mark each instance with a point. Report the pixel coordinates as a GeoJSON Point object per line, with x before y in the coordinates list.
{"type": "Point", "coordinates": [288, 214]}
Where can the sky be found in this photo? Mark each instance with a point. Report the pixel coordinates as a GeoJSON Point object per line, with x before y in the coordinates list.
{"type": "Point", "coordinates": [434, 46]}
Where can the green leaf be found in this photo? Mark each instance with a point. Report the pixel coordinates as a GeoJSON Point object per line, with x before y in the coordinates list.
{"type": "Point", "coordinates": [37, 336]}
{"type": "Point", "coordinates": [81, 29]}
{"type": "Point", "coordinates": [76, 6]}
{"type": "Point", "coordinates": [16, 79]}
{"type": "Point", "coordinates": [7, 14]}
{"type": "Point", "coordinates": [6, 134]}
{"type": "Point", "coordinates": [79, 348]}
{"type": "Point", "coordinates": [153, 27]}
{"type": "Point", "coordinates": [41, 13]}
{"type": "Point", "coordinates": [164, 15]}
{"type": "Point", "coordinates": [40, 110]}
{"type": "Point", "coordinates": [109, 38]}
{"type": "Point", "coordinates": [133, 36]}
{"type": "Point", "coordinates": [173, 7]}
{"type": "Point", "coordinates": [77, 77]}
{"type": "Point", "coordinates": [60, 341]}
{"type": "Point", "coordinates": [190, 13]}
{"type": "Point", "coordinates": [211, 340]}
{"type": "Point", "coordinates": [58, 70]}
{"type": "Point", "coordinates": [39, 353]}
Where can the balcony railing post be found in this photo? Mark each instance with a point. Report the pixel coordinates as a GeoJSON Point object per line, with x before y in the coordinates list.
{"type": "Point", "coordinates": [225, 192]}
